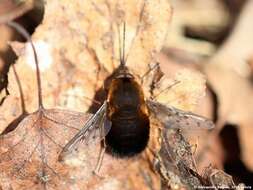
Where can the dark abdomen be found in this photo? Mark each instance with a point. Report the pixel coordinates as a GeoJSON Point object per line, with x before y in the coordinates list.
{"type": "Point", "coordinates": [127, 111]}
{"type": "Point", "coordinates": [129, 133]}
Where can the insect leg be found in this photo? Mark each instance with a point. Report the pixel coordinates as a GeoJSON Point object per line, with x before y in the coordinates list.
{"type": "Point", "coordinates": [164, 90]}
{"type": "Point", "coordinates": [100, 158]}
{"type": "Point", "coordinates": [103, 145]}
{"type": "Point", "coordinates": [152, 160]}
{"type": "Point", "coordinates": [152, 77]}
{"type": "Point", "coordinates": [148, 71]}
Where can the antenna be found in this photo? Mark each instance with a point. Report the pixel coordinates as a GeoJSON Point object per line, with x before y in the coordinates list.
{"type": "Point", "coordinates": [122, 46]}
{"type": "Point", "coordinates": [124, 39]}
{"type": "Point", "coordinates": [26, 35]}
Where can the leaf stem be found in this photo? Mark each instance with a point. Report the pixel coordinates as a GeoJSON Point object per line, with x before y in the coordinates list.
{"type": "Point", "coordinates": [26, 35]}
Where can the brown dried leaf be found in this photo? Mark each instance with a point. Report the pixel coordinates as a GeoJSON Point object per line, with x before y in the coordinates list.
{"type": "Point", "coordinates": [29, 154]}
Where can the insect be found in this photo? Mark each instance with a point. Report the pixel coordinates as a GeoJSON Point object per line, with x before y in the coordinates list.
{"type": "Point", "coordinates": [123, 121]}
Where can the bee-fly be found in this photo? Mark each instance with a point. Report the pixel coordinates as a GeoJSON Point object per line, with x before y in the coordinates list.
{"type": "Point", "coordinates": [128, 113]}
{"type": "Point", "coordinates": [123, 119]}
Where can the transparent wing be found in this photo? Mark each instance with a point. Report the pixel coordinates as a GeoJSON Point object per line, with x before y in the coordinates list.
{"type": "Point", "coordinates": [95, 129]}
{"type": "Point", "coordinates": [172, 117]}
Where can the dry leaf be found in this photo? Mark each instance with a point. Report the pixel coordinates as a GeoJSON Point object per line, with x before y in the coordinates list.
{"type": "Point", "coordinates": [29, 154]}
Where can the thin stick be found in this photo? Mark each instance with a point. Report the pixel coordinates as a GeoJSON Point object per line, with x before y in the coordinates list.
{"type": "Point", "coordinates": [20, 90]}
{"type": "Point", "coordinates": [26, 35]}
